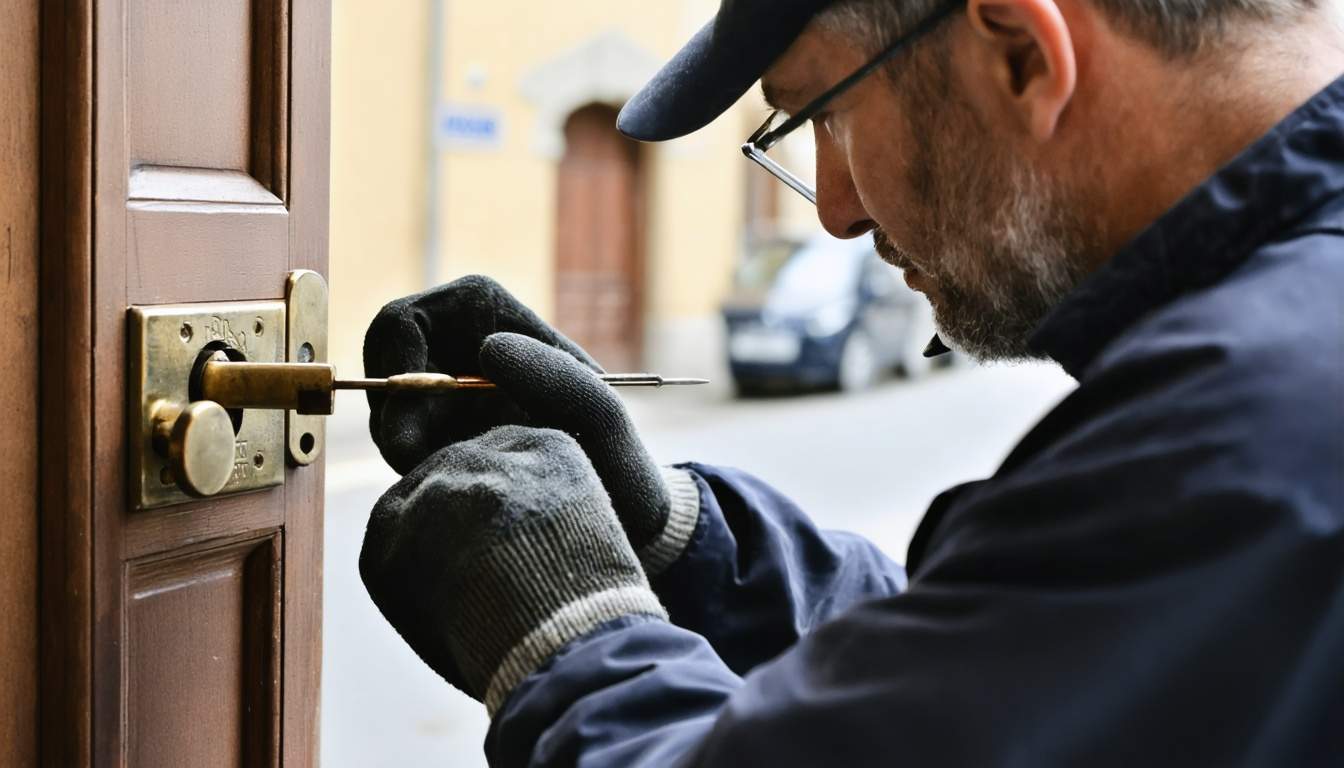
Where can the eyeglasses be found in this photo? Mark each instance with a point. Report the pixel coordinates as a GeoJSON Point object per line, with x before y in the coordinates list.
{"type": "Point", "coordinates": [780, 123]}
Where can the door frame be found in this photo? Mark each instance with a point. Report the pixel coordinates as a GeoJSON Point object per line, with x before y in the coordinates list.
{"type": "Point", "coordinates": [19, 157]}
{"type": "Point", "coordinates": [65, 444]}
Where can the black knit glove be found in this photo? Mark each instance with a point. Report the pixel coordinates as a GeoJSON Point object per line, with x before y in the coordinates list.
{"type": "Point", "coordinates": [441, 330]}
{"type": "Point", "coordinates": [496, 552]}
{"type": "Point", "coordinates": [658, 507]}
{"type": "Point", "coordinates": [546, 380]}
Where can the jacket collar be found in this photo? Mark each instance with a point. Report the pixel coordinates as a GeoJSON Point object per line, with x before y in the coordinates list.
{"type": "Point", "coordinates": [1273, 183]}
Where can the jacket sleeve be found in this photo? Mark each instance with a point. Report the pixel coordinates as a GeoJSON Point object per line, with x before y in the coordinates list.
{"type": "Point", "coordinates": [1051, 645]}
{"type": "Point", "coordinates": [1131, 589]}
{"type": "Point", "coordinates": [757, 574]}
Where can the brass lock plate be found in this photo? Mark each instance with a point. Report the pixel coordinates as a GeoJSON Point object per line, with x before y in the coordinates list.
{"type": "Point", "coordinates": [306, 334]}
{"type": "Point", "coordinates": [163, 346]}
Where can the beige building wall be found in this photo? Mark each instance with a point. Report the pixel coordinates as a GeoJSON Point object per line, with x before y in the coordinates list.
{"type": "Point", "coordinates": [500, 204]}
{"type": "Point", "coordinates": [519, 59]}
{"type": "Point", "coordinates": [379, 140]}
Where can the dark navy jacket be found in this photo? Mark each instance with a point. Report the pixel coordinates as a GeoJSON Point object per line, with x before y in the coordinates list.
{"type": "Point", "coordinates": [1155, 576]}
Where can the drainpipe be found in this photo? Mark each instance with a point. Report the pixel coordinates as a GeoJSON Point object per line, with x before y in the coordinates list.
{"type": "Point", "coordinates": [430, 266]}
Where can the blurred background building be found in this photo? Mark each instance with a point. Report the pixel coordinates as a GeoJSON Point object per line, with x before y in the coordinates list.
{"type": "Point", "coordinates": [472, 136]}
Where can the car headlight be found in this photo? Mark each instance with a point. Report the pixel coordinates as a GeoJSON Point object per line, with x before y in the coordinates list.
{"type": "Point", "coordinates": [830, 319]}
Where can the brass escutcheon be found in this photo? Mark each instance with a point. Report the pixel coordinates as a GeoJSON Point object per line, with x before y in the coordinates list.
{"type": "Point", "coordinates": [177, 437]}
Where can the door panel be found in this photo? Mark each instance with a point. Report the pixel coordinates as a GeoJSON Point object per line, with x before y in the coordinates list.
{"type": "Point", "coordinates": [187, 82]}
{"type": "Point", "coordinates": [205, 620]}
{"type": "Point", "coordinates": [189, 634]}
{"type": "Point", "coordinates": [207, 86]}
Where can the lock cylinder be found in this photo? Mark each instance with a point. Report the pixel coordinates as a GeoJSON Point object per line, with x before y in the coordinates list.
{"type": "Point", "coordinates": [305, 388]}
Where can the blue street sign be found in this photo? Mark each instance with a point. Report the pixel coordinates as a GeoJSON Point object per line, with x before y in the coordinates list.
{"type": "Point", "coordinates": [462, 126]}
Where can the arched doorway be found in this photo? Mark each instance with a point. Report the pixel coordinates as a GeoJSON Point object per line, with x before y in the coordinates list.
{"type": "Point", "coordinates": [599, 239]}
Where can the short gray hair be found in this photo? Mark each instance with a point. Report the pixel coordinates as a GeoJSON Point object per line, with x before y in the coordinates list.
{"type": "Point", "coordinates": [1178, 28]}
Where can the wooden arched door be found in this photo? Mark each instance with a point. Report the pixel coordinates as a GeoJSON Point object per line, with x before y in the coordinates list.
{"type": "Point", "coordinates": [599, 239]}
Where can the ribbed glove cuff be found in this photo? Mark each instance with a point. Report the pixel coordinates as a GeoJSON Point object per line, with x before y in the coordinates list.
{"type": "Point", "coordinates": [668, 545]}
{"type": "Point", "coordinates": [570, 622]}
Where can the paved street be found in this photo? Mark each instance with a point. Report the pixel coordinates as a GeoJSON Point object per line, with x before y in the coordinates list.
{"type": "Point", "coordinates": [868, 463]}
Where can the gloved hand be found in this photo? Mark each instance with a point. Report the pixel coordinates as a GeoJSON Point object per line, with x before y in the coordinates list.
{"type": "Point", "coordinates": [496, 552]}
{"type": "Point", "coordinates": [441, 330]}
{"type": "Point", "coordinates": [657, 507]}
{"type": "Point", "coordinates": [545, 380]}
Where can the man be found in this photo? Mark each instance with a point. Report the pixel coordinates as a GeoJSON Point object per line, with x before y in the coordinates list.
{"type": "Point", "coordinates": [1150, 194]}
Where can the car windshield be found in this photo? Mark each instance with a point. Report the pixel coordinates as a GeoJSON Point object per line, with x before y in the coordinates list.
{"type": "Point", "coordinates": [757, 272]}
{"type": "Point", "coordinates": [823, 271]}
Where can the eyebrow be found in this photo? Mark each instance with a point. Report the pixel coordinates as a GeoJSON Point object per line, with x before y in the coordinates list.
{"type": "Point", "coordinates": [777, 97]}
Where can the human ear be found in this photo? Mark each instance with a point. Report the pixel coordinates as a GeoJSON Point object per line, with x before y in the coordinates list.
{"type": "Point", "coordinates": [1031, 58]}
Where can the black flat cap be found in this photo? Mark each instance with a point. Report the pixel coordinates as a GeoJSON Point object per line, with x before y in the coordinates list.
{"type": "Point", "coordinates": [716, 67]}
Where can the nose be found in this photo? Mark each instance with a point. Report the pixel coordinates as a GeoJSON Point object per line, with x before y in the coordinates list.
{"type": "Point", "coordinates": [838, 205]}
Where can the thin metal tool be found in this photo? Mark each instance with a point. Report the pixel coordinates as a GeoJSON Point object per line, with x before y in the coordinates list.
{"type": "Point", "coordinates": [434, 383]}
{"type": "Point", "coordinates": [310, 388]}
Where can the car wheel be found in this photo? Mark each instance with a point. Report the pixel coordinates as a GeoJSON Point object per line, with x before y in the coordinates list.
{"type": "Point", "coordinates": [858, 363]}
{"type": "Point", "coordinates": [747, 389]}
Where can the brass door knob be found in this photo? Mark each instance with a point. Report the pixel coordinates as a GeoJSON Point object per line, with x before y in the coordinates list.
{"type": "Point", "coordinates": [198, 442]}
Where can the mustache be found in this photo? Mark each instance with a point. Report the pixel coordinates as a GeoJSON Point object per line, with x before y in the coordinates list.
{"type": "Point", "coordinates": [890, 253]}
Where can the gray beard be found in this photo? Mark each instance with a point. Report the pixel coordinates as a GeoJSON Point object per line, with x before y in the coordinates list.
{"type": "Point", "coordinates": [1001, 243]}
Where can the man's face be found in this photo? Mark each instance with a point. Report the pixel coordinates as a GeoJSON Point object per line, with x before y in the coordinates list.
{"type": "Point", "coordinates": [952, 198]}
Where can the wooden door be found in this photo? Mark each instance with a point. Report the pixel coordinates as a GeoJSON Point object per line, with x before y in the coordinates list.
{"type": "Point", "coordinates": [184, 158]}
{"type": "Point", "coordinates": [19, 394]}
{"type": "Point", "coordinates": [599, 255]}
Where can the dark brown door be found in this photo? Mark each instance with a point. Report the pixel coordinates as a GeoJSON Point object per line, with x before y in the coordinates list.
{"type": "Point", "coordinates": [185, 152]}
{"type": "Point", "coordinates": [19, 394]}
{"type": "Point", "coordinates": [598, 239]}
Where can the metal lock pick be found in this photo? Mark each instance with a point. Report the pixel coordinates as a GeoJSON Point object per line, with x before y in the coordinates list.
{"type": "Point", "coordinates": [309, 388]}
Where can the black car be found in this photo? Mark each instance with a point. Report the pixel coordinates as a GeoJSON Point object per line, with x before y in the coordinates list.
{"type": "Point", "coordinates": [824, 312]}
